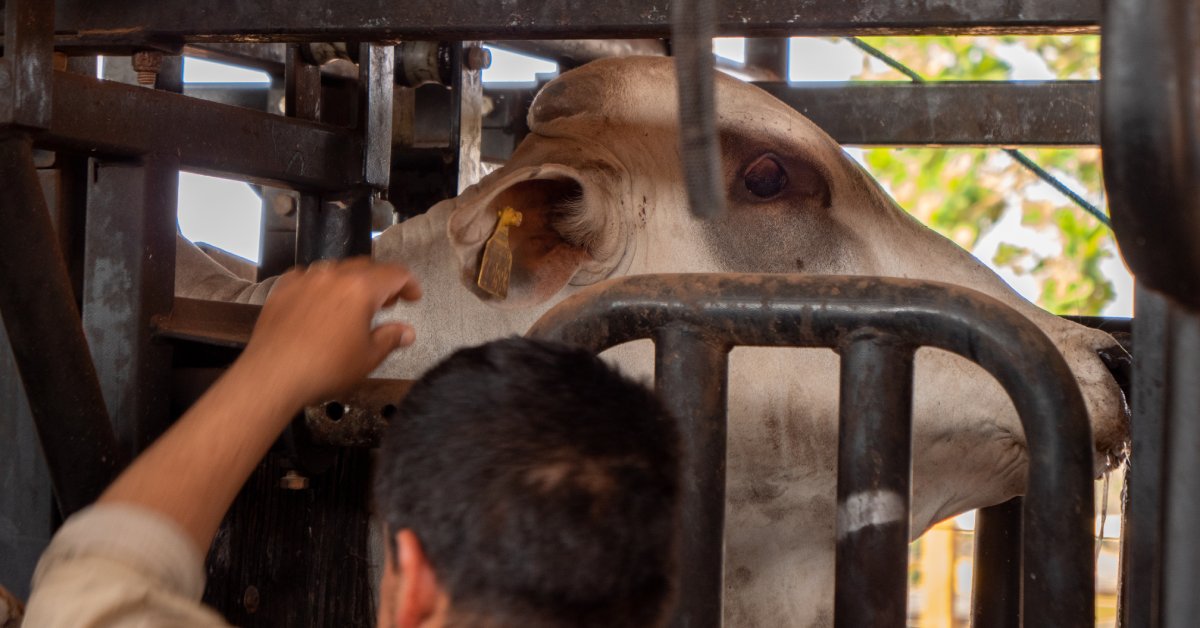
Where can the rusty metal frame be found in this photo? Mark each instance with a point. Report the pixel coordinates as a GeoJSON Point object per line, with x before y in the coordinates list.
{"type": "Point", "coordinates": [138, 22]}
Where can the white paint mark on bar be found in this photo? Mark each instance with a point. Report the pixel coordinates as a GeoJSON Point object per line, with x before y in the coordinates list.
{"type": "Point", "coordinates": [868, 508]}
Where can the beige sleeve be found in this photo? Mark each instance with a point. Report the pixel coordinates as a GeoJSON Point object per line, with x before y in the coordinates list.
{"type": "Point", "coordinates": [119, 566]}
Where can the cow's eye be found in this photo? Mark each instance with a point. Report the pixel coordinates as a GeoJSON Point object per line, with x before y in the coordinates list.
{"type": "Point", "coordinates": [765, 178]}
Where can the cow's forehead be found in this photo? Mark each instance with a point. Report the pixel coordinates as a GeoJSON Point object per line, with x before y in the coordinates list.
{"type": "Point", "coordinates": [641, 91]}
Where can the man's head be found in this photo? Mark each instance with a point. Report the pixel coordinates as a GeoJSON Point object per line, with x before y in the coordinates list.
{"type": "Point", "coordinates": [528, 484]}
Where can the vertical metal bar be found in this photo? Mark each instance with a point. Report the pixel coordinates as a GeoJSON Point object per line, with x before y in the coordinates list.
{"type": "Point", "coordinates": [1142, 535]}
{"type": "Point", "coordinates": [1181, 472]}
{"type": "Point", "coordinates": [333, 228]}
{"type": "Point", "coordinates": [128, 281]}
{"type": "Point", "coordinates": [769, 54]}
{"type": "Point", "coordinates": [874, 478]}
{"type": "Point", "coordinates": [28, 512]}
{"type": "Point", "coordinates": [691, 377]}
{"type": "Point", "coordinates": [996, 591]}
{"type": "Point", "coordinates": [466, 131]}
{"type": "Point", "coordinates": [301, 99]}
{"type": "Point", "coordinates": [376, 78]}
{"type": "Point", "coordinates": [56, 368]}
{"type": "Point", "coordinates": [302, 87]}
{"type": "Point", "coordinates": [27, 63]}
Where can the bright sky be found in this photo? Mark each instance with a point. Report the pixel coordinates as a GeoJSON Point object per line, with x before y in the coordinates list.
{"type": "Point", "coordinates": [226, 213]}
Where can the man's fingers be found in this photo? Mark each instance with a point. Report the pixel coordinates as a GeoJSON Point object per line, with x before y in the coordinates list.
{"type": "Point", "coordinates": [387, 338]}
{"type": "Point", "coordinates": [392, 282]}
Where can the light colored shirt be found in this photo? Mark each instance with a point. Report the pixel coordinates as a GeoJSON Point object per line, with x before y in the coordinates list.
{"type": "Point", "coordinates": [119, 566]}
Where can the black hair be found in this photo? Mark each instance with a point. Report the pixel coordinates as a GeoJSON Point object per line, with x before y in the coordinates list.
{"type": "Point", "coordinates": [542, 484]}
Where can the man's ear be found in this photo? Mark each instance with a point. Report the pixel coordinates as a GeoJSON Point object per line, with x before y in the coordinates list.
{"type": "Point", "coordinates": [418, 598]}
{"type": "Point", "coordinates": [564, 229]}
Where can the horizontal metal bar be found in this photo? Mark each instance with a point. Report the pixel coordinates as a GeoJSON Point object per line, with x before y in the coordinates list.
{"type": "Point", "coordinates": [379, 20]}
{"type": "Point", "coordinates": [105, 118]}
{"type": "Point", "coordinates": [358, 417]}
{"type": "Point", "coordinates": [1006, 113]}
{"type": "Point", "coordinates": [953, 113]}
{"type": "Point", "coordinates": [811, 311]}
{"type": "Point", "coordinates": [209, 322]}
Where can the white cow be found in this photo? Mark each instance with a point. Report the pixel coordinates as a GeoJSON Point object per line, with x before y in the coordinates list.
{"type": "Point", "coordinates": [598, 183]}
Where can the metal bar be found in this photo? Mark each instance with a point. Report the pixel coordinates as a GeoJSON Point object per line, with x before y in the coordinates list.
{"type": "Point", "coordinates": [792, 310]}
{"type": "Point", "coordinates": [958, 113]}
{"type": "Point", "coordinates": [333, 228]}
{"type": "Point", "coordinates": [996, 590]}
{"type": "Point", "coordinates": [1151, 132]}
{"type": "Point", "coordinates": [29, 46]}
{"type": "Point", "coordinates": [1026, 113]}
{"type": "Point", "coordinates": [571, 53]}
{"type": "Point", "coordinates": [380, 20]}
{"type": "Point", "coordinates": [691, 377]}
{"type": "Point", "coordinates": [1143, 530]}
{"type": "Point", "coordinates": [28, 500]}
{"type": "Point", "coordinates": [56, 368]}
{"type": "Point", "coordinates": [129, 281]}
{"type": "Point", "coordinates": [1178, 601]}
{"type": "Point", "coordinates": [358, 417]}
{"type": "Point", "coordinates": [209, 322]}
{"type": "Point", "coordinates": [376, 77]}
{"type": "Point", "coordinates": [1030, 113]}
{"type": "Point", "coordinates": [220, 139]}
{"type": "Point", "coordinates": [769, 56]}
{"type": "Point", "coordinates": [466, 130]}
{"type": "Point", "coordinates": [874, 480]}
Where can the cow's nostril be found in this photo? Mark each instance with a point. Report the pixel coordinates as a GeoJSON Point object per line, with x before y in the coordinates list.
{"type": "Point", "coordinates": [1120, 364]}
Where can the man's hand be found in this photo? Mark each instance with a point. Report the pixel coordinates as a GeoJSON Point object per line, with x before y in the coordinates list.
{"type": "Point", "coordinates": [314, 337]}
{"type": "Point", "coordinates": [313, 340]}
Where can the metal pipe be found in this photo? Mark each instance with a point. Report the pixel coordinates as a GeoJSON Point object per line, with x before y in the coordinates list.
{"type": "Point", "coordinates": [1143, 532]}
{"type": "Point", "coordinates": [46, 335]}
{"type": "Point", "coordinates": [692, 30]}
{"type": "Point", "coordinates": [1151, 137]}
{"type": "Point", "coordinates": [874, 480]}
{"type": "Point", "coordinates": [691, 377]}
{"type": "Point", "coordinates": [996, 590]}
{"type": "Point", "coordinates": [808, 311]}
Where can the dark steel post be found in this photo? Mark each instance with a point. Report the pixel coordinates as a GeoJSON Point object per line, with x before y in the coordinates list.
{"type": "Point", "coordinates": [47, 338]}
{"type": "Point", "coordinates": [129, 280]}
{"type": "Point", "coordinates": [1179, 604]}
{"type": "Point", "coordinates": [770, 55]}
{"type": "Point", "coordinates": [996, 590]}
{"type": "Point", "coordinates": [302, 99]}
{"type": "Point", "coordinates": [1151, 137]}
{"type": "Point", "coordinates": [691, 376]}
{"type": "Point", "coordinates": [874, 478]}
{"type": "Point", "coordinates": [1143, 531]}
{"type": "Point", "coordinates": [27, 64]}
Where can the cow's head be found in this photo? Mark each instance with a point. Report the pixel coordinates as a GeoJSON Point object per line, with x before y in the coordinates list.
{"type": "Point", "coordinates": [598, 182]}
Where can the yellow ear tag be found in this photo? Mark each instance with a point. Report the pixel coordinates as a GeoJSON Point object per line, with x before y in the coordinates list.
{"type": "Point", "coordinates": [496, 266]}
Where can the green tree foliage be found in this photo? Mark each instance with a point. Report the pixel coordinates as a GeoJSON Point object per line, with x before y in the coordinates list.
{"type": "Point", "coordinates": [962, 193]}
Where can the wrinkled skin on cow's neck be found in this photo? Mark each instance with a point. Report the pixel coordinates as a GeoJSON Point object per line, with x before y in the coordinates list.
{"type": "Point", "coordinates": [598, 183]}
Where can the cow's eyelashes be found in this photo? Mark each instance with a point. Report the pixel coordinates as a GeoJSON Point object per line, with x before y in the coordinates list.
{"type": "Point", "coordinates": [765, 177]}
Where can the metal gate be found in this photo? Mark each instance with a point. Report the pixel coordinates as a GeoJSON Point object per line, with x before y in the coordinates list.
{"type": "Point", "coordinates": [875, 324]}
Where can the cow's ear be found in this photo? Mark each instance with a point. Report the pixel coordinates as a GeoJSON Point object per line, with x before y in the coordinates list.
{"type": "Point", "coordinates": [562, 228]}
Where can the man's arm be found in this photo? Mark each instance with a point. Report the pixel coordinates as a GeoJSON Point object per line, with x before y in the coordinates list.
{"type": "Point", "coordinates": [313, 340]}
